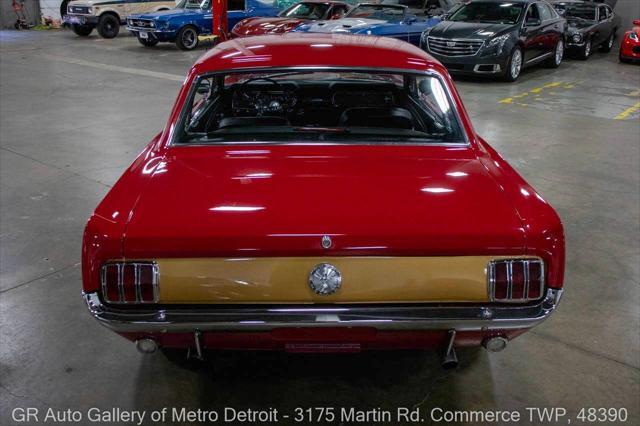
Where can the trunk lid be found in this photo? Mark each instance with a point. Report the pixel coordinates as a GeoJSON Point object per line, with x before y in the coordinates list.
{"type": "Point", "coordinates": [280, 200]}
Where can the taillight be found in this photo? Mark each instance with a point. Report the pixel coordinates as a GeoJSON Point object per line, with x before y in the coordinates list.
{"type": "Point", "coordinates": [130, 282]}
{"type": "Point", "coordinates": [515, 280]}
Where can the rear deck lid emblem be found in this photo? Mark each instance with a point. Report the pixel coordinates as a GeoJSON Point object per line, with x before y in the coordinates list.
{"type": "Point", "coordinates": [325, 279]}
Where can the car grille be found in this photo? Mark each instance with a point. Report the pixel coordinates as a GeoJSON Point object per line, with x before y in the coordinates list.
{"type": "Point", "coordinates": [82, 10]}
{"type": "Point", "coordinates": [141, 23]}
{"type": "Point", "coordinates": [453, 47]}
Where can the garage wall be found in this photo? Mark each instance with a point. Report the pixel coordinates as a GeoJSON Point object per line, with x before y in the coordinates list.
{"type": "Point", "coordinates": [51, 8]}
{"type": "Point", "coordinates": [628, 11]}
{"type": "Point", "coordinates": [8, 17]}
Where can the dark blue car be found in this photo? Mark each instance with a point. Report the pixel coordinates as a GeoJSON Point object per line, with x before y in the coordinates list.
{"type": "Point", "coordinates": [190, 19]}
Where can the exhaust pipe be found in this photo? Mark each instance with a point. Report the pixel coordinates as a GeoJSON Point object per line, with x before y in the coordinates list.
{"type": "Point", "coordinates": [197, 340]}
{"type": "Point", "coordinates": [450, 359]}
{"type": "Point", "coordinates": [495, 344]}
{"type": "Point", "coordinates": [146, 346]}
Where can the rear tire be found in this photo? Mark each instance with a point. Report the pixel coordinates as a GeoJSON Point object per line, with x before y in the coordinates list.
{"type": "Point", "coordinates": [187, 38]}
{"type": "Point", "coordinates": [148, 42]}
{"type": "Point", "coordinates": [514, 65]}
{"type": "Point", "coordinates": [108, 26]}
{"type": "Point", "coordinates": [82, 30]}
{"type": "Point", "coordinates": [606, 47]}
{"type": "Point", "coordinates": [556, 59]}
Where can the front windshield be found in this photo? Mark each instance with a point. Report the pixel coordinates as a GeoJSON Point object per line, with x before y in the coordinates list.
{"type": "Point", "coordinates": [306, 10]}
{"type": "Point", "coordinates": [194, 4]}
{"type": "Point", "coordinates": [581, 11]}
{"type": "Point", "coordinates": [304, 106]}
{"type": "Point", "coordinates": [488, 12]}
{"type": "Point", "coordinates": [377, 11]}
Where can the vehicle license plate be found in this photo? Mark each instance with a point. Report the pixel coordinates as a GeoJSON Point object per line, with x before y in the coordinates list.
{"type": "Point", "coordinates": [73, 19]}
{"type": "Point", "coordinates": [143, 34]}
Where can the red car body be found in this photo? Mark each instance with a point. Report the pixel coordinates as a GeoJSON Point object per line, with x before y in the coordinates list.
{"type": "Point", "coordinates": [630, 45]}
{"type": "Point", "coordinates": [392, 202]}
{"type": "Point", "coordinates": [283, 24]}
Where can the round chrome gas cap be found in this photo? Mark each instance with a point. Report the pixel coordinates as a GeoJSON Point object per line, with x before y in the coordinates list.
{"type": "Point", "coordinates": [325, 279]}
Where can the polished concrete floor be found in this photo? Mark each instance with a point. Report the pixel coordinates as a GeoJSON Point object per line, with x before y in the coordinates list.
{"type": "Point", "coordinates": [75, 112]}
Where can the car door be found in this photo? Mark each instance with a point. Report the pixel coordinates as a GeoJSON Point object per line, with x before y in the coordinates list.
{"type": "Point", "coordinates": [552, 28]}
{"type": "Point", "coordinates": [532, 33]}
{"type": "Point", "coordinates": [604, 24]}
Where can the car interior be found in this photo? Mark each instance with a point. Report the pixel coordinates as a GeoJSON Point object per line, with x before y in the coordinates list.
{"type": "Point", "coordinates": [271, 105]}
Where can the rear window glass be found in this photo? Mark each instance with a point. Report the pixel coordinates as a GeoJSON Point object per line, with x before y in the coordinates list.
{"type": "Point", "coordinates": [319, 106]}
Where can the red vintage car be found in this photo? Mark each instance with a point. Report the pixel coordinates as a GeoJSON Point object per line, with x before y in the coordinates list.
{"type": "Point", "coordinates": [288, 19]}
{"type": "Point", "coordinates": [630, 45]}
{"type": "Point", "coordinates": [315, 193]}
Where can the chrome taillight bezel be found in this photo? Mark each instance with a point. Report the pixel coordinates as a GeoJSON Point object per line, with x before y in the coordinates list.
{"type": "Point", "coordinates": [155, 276]}
{"type": "Point", "coordinates": [491, 280]}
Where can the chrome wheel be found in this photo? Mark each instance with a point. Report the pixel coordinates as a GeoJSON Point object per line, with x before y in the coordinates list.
{"type": "Point", "coordinates": [189, 38]}
{"type": "Point", "coordinates": [516, 64]}
{"type": "Point", "coordinates": [587, 49]}
{"type": "Point", "coordinates": [559, 52]}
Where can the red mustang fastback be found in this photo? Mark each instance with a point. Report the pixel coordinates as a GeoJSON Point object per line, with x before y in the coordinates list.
{"type": "Point", "coordinates": [288, 19]}
{"type": "Point", "coordinates": [321, 193]}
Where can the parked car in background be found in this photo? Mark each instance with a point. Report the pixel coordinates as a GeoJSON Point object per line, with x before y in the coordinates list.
{"type": "Point", "coordinates": [630, 45]}
{"type": "Point", "coordinates": [107, 15]}
{"type": "Point", "coordinates": [497, 38]}
{"type": "Point", "coordinates": [320, 193]}
{"type": "Point", "coordinates": [286, 4]}
{"type": "Point", "coordinates": [287, 20]}
{"type": "Point", "coordinates": [439, 7]}
{"type": "Point", "coordinates": [388, 20]}
{"type": "Point", "coordinates": [190, 19]}
{"type": "Point", "coordinates": [591, 26]}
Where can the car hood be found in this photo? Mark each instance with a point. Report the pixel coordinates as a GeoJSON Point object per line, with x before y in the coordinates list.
{"type": "Point", "coordinates": [342, 25]}
{"type": "Point", "coordinates": [579, 24]}
{"type": "Point", "coordinates": [474, 30]}
{"type": "Point", "coordinates": [166, 14]}
{"type": "Point", "coordinates": [279, 200]}
{"type": "Point", "coordinates": [267, 25]}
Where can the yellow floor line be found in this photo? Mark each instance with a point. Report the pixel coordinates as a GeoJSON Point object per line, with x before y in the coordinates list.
{"type": "Point", "coordinates": [627, 112]}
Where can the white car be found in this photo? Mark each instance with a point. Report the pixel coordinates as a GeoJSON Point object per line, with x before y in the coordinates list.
{"type": "Point", "coordinates": [107, 15]}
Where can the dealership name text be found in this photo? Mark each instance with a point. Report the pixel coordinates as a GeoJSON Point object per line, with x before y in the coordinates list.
{"type": "Point", "coordinates": [272, 415]}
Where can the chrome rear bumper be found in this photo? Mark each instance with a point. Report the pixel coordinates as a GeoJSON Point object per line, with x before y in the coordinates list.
{"type": "Point", "coordinates": [261, 318]}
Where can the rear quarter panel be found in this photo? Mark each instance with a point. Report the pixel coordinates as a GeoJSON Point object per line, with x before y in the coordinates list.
{"type": "Point", "coordinates": [543, 228]}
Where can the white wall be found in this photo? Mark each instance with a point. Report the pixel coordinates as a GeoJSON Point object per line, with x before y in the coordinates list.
{"type": "Point", "coordinates": [51, 8]}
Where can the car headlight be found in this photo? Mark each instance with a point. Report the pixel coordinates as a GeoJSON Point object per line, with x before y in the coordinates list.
{"type": "Point", "coordinates": [423, 37]}
{"type": "Point", "coordinates": [497, 43]}
{"type": "Point", "coordinates": [576, 38]}
{"type": "Point", "coordinates": [633, 36]}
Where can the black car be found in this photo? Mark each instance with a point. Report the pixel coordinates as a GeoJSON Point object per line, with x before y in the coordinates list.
{"type": "Point", "coordinates": [591, 25]}
{"type": "Point", "coordinates": [497, 37]}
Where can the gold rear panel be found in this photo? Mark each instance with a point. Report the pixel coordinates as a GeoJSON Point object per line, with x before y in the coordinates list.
{"type": "Point", "coordinates": [286, 279]}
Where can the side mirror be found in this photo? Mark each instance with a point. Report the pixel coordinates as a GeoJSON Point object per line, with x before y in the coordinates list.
{"type": "Point", "coordinates": [533, 22]}
{"type": "Point", "coordinates": [636, 22]}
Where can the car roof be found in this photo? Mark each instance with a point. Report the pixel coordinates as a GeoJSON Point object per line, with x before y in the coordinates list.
{"type": "Point", "coordinates": [312, 50]}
